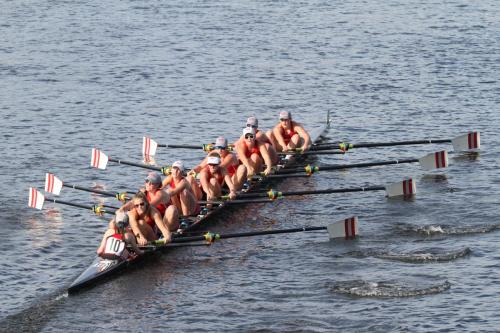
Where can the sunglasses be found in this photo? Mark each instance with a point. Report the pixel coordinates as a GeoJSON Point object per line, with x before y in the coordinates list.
{"type": "Point", "coordinates": [142, 204]}
{"type": "Point", "coordinates": [252, 126]}
{"type": "Point", "coordinates": [249, 136]}
{"type": "Point", "coordinates": [214, 165]}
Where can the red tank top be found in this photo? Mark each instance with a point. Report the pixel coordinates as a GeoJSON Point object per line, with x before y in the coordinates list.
{"type": "Point", "coordinates": [218, 176]}
{"type": "Point", "coordinates": [248, 152]}
{"type": "Point", "coordinates": [161, 206]}
{"type": "Point", "coordinates": [287, 136]}
{"type": "Point", "coordinates": [147, 219]}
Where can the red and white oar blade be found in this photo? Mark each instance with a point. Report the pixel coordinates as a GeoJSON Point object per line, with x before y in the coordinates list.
{"type": "Point", "coordinates": [99, 160]}
{"type": "Point", "coordinates": [465, 142]}
{"type": "Point", "coordinates": [435, 160]}
{"type": "Point", "coordinates": [347, 229]}
{"type": "Point", "coordinates": [53, 184]}
{"type": "Point", "coordinates": [149, 146]}
{"type": "Point", "coordinates": [36, 199]}
{"type": "Point", "coordinates": [406, 187]}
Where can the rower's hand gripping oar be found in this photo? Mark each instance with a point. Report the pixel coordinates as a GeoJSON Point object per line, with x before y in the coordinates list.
{"type": "Point", "coordinates": [346, 229]}
{"type": "Point", "coordinates": [37, 199]}
{"type": "Point", "coordinates": [100, 160]}
{"type": "Point", "coordinates": [430, 161]}
{"type": "Point", "coordinates": [466, 142]}
{"type": "Point", "coordinates": [54, 185]}
{"type": "Point", "coordinates": [149, 146]}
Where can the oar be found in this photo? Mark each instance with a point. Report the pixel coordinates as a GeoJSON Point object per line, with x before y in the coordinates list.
{"type": "Point", "coordinates": [149, 146]}
{"type": "Point", "coordinates": [406, 187]}
{"type": "Point", "coordinates": [37, 199]}
{"type": "Point", "coordinates": [54, 185]}
{"type": "Point", "coordinates": [312, 152]}
{"type": "Point", "coordinates": [347, 229]}
{"type": "Point", "coordinates": [428, 162]}
{"type": "Point", "coordinates": [464, 142]}
{"type": "Point", "coordinates": [100, 160]}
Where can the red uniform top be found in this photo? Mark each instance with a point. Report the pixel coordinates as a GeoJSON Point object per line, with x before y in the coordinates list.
{"type": "Point", "coordinates": [287, 136]}
{"type": "Point", "coordinates": [250, 152]}
{"type": "Point", "coordinates": [218, 175]}
{"type": "Point", "coordinates": [161, 206]}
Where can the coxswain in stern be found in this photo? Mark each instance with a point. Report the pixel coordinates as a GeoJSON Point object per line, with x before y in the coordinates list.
{"type": "Point", "coordinates": [213, 177]}
{"type": "Point", "coordinates": [249, 153]}
{"type": "Point", "coordinates": [263, 141]}
{"type": "Point", "coordinates": [289, 135]}
{"type": "Point", "coordinates": [119, 229]}
{"type": "Point", "coordinates": [180, 191]}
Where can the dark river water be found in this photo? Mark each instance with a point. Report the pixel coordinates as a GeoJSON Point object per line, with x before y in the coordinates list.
{"type": "Point", "coordinates": [81, 74]}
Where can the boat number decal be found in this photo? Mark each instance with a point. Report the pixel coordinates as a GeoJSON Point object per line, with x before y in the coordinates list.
{"type": "Point", "coordinates": [114, 246]}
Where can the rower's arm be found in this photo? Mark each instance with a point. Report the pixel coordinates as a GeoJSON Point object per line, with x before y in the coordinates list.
{"type": "Point", "coordinates": [179, 188]}
{"type": "Point", "coordinates": [230, 185]}
{"type": "Point", "coordinates": [241, 154]}
{"type": "Point", "coordinates": [304, 135]}
{"type": "Point", "coordinates": [135, 227]}
{"type": "Point", "coordinates": [267, 158]}
{"type": "Point", "coordinates": [279, 136]}
{"type": "Point", "coordinates": [166, 181]}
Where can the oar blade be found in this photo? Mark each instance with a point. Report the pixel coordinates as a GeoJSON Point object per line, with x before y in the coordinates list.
{"type": "Point", "coordinates": [346, 229]}
{"type": "Point", "coordinates": [435, 160]}
{"type": "Point", "coordinates": [36, 199]}
{"type": "Point", "coordinates": [405, 188]}
{"type": "Point", "coordinates": [53, 184]}
{"type": "Point", "coordinates": [98, 160]}
{"type": "Point", "coordinates": [149, 146]}
{"type": "Point", "coordinates": [466, 142]}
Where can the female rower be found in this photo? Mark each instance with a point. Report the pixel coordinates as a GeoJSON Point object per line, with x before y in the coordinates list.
{"type": "Point", "coordinates": [263, 140]}
{"type": "Point", "coordinates": [159, 199]}
{"type": "Point", "coordinates": [229, 161]}
{"type": "Point", "coordinates": [119, 231]}
{"type": "Point", "coordinates": [288, 134]}
{"type": "Point", "coordinates": [213, 177]}
{"type": "Point", "coordinates": [181, 193]}
{"type": "Point", "coordinates": [251, 155]}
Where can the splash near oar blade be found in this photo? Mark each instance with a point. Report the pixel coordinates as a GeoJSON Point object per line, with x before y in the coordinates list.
{"type": "Point", "coordinates": [36, 199]}
{"type": "Point", "coordinates": [435, 160]}
{"type": "Point", "coordinates": [149, 146]}
{"type": "Point", "coordinates": [53, 184]}
{"type": "Point", "coordinates": [465, 142]}
{"type": "Point", "coordinates": [347, 229]}
{"type": "Point", "coordinates": [405, 188]}
{"type": "Point", "coordinates": [98, 160]}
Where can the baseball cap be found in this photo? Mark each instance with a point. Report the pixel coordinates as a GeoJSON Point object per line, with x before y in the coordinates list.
{"type": "Point", "coordinates": [253, 122]}
{"type": "Point", "coordinates": [248, 130]}
{"type": "Point", "coordinates": [220, 142]}
{"type": "Point", "coordinates": [153, 178]}
{"type": "Point", "coordinates": [285, 115]}
{"type": "Point", "coordinates": [179, 165]}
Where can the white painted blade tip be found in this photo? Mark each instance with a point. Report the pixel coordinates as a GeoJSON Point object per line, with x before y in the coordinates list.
{"type": "Point", "coordinates": [405, 188]}
{"type": "Point", "coordinates": [36, 198]}
{"type": "Point", "coordinates": [149, 146]}
{"type": "Point", "coordinates": [98, 160]}
{"type": "Point", "coordinates": [435, 160]}
{"type": "Point", "coordinates": [467, 142]}
{"type": "Point", "coordinates": [53, 184]}
{"type": "Point", "coordinates": [346, 229]}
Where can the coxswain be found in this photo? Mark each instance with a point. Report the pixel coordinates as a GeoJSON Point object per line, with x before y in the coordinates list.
{"type": "Point", "coordinates": [119, 231]}
{"type": "Point", "coordinates": [213, 177]}
{"type": "Point", "coordinates": [180, 191]}
{"type": "Point", "coordinates": [289, 135]}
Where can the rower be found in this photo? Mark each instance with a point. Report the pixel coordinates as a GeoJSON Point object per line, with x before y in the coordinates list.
{"type": "Point", "coordinates": [180, 191]}
{"type": "Point", "coordinates": [229, 161]}
{"type": "Point", "coordinates": [145, 219]}
{"type": "Point", "coordinates": [251, 155]}
{"type": "Point", "coordinates": [213, 177]}
{"type": "Point", "coordinates": [159, 199]}
{"type": "Point", "coordinates": [289, 135]}
{"type": "Point", "coordinates": [263, 140]}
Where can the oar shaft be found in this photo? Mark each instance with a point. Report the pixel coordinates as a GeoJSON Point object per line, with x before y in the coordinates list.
{"type": "Point", "coordinates": [91, 190]}
{"type": "Point", "coordinates": [139, 165]}
{"type": "Point", "coordinates": [325, 191]}
{"type": "Point", "coordinates": [67, 203]}
{"type": "Point", "coordinates": [351, 166]}
{"type": "Point", "coordinates": [325, 146]}
{"type": "Point", "coordinates": [247, 234]}
{"type": "Point", "coordinates": [181, 146]}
